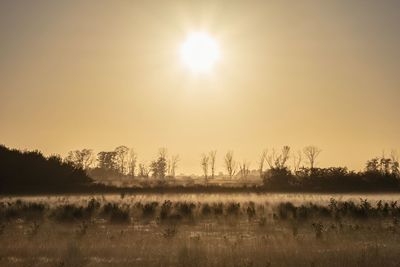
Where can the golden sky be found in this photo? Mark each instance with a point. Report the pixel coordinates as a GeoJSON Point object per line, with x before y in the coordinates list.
{"type": "Point", "coordinates": [98, 74]}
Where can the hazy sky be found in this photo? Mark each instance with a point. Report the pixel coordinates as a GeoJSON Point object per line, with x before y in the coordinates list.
{"type": "Point", "coordinates": [98, 74]}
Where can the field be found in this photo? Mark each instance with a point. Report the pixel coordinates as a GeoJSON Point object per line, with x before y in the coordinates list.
{"type": "Point", "coordinates": [200, 230]}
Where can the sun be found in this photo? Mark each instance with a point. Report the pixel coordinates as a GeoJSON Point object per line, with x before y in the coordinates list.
{"type": "Point", "coordinates": [199, 52]}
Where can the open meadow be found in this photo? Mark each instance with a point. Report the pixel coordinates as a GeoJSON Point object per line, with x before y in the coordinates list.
{"type": "Point", "coordinates": [200, 230]}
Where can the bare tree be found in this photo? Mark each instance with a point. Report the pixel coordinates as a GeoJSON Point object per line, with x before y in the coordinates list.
{"type": "Point", "coordinates": [143, 170]}
{"type": "Point", "coordinates": [230, 164]}
{"type": "Point", "coordinates": [385, 165]}
{"type": "Point", "coordinates": [81, 158]}
{"type": "Point", "coordinates": [132, 160]}
{"type": "Point", "coordinates": [87, 158]}
{"type": "Point", "coordinates": [172, 165]}
{"type": "Point", "coordinates": [297, 159]}
{"type": "Point", "coordinates": [372, 165]}
{"type": "Point", "coordinates": [284, 157]}
{"type": "Point", "coordinates": [270, 158]}
{"type": "Point", "coordinates": [162, 153]}
{"type": "Point", "coordinates": [107, 160]}
{"type": "Point", "coordinates": [278, 160]}
{"type": "Point", "coordinates": [244, 169]}
{"type": "Point", "coordinates": [263, 159]}
{"type": "Point", "coordinates": [311, 153]}
{"type": "Point", "coordinates": [204, 165]}
{"type": "Point", "coordinates": [212, 157]}
{"type": "Point", "coordinates": [121, 155]}
{"type": "Point", "coordinates": [395, 163]}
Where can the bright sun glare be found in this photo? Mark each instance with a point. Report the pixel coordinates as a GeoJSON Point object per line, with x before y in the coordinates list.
{"type": "Point", "coordinates": [199, 52]}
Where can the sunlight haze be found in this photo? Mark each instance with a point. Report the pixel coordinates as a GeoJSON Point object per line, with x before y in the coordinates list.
{"type": "Point", "coordinates": [99, 74]}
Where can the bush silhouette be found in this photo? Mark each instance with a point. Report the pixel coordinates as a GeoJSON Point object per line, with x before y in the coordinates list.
{"type": "Point", "coordinates": [30, 171]}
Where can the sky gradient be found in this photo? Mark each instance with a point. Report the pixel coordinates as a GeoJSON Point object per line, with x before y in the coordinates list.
{"type": "Point", "coordinates": [98, 74]}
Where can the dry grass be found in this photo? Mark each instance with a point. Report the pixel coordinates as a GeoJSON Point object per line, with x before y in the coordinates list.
{"type": "Point", "coordinates": [187, 233]}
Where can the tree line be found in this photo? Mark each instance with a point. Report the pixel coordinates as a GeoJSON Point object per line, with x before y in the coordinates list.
{"type": "Point", "coordinates": [380, 173]}
{"type": "Point", "coordinates": [123, 162]}
{"type": "Point", "coordinates": [279, 170]}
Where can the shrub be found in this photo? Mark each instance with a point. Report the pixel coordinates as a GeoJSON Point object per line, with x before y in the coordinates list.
{"type": "Point", "coordinates": [206, 209]}
{"type": "Point", "coordinates": [115, 213]}
{"type": "Point", "coordinates": [233, 209]}
{"type": "Point", "coordinates": [218, 208]}
{"type": "Point", "coordinates": [251, 210]}
{"type": "Point", "coordinates": [69, 213]}
{"type": "Point", "coordinates": [278, 177]}
{"type": "Point", "coordinates": [185, 209]}
{"type": "Point", "coordinates": [165, 210]}
{"type": "Point", "coordinates": [23, 210]}
{"type": "Point", "coordinates": [93, 206]}
{"type": "Point", "coordinates": [302, 212]}
{"type": "Point", "coordinates": [286, 210]}
{"type": "Point", "coordinates": [149, 209]}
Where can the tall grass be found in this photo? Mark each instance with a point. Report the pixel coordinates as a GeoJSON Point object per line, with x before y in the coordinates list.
{"type": "Point", "coordinates": [122, 212]}
{"type": "Point", "coordinates": [96, 232]}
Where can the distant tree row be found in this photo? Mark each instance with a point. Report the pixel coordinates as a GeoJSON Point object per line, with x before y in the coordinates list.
{"type": "Point", "coordinates": [271, 158]}
{"type": "Point", "coordinates": [273, 167]}
{"type": "Point", "coordinates": [31, 171]}
{"type": "Point", "coordinates": [123, 161]}
{"type": "Point", "coordinates": [380, 173]}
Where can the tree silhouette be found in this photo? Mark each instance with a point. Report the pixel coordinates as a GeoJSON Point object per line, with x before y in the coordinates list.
{"type": "Point", "coordinates": [143, 170]}
{"type": "Point", "coordinates": [230, 164]}
{"type": "Point", "coordinates": [212, 157]}
{"type": "Point", "coordinates": [132, 159]}
{"type": "Point", "coordinates": [278, 161]}
{"type": "Point", "coordinates": [263, 158]}
{"type": "Point", "coordinates": [311, 153]}
{"type": "Point", "coordinates": [172, 165]}
{"type": "Point", "coordinates": [204, 165]}
{"type": "Point", "coordinates": [395, 169]}
{"type": "Point", "coordinates": [107, 160]}
{"type": "Point", "coordinates": [159, 166]}
{"type": "Point", "coordinates": [244, 169]}
{"type": "Point", "coordinates": [121, 157]}
{"type": "Point", "coordinates": [30, 171]}
{"type": "Point", "coordinates": [81, 158]}
{"type": "Point", "coordinates": [297, 160]}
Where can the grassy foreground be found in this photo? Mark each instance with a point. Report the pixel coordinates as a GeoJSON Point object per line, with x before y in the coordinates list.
{"type": "Point", "coordinates": [121, 233]}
